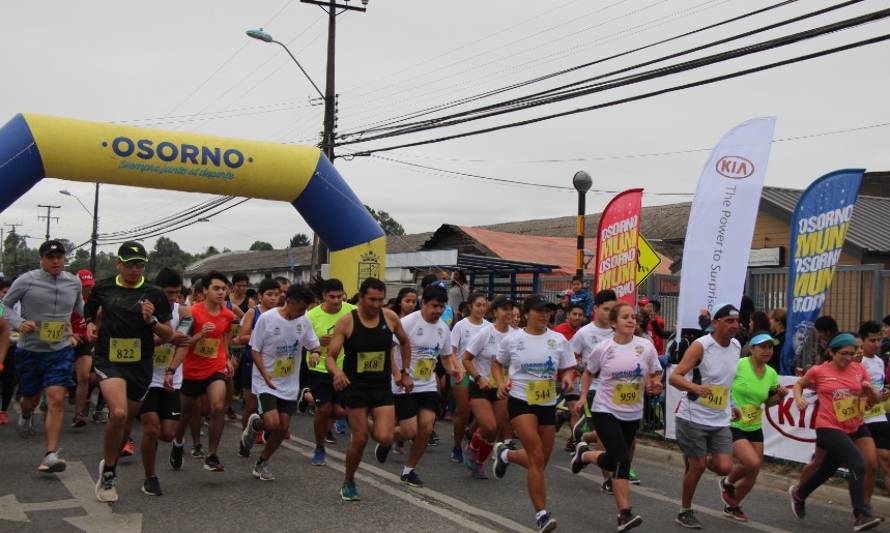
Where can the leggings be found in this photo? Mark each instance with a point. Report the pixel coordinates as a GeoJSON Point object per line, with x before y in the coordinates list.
{"type": "Point", "coordinates": [8, 380]}
{"type": "Point", "coordinates": [840, 449]}
{"type": "Point", "coordinates": [617, 437]}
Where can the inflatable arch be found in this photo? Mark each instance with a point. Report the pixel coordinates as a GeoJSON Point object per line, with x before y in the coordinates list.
{"type": "Point", "coordinates": [36, 146]}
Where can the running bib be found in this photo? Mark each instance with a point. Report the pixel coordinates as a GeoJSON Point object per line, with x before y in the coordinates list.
{"type": "Point", "coordinates": [716, 399]}
{"type": "Point", "coordinates": [751, 414]}
{"type": "Point", "coordinates": [163, 355]}
{"type": "Point", "coordinates": [284, 366]}
{"type": "Point", "coordinates": [207, 348]}
{"type": "Point", "coordinates": [846, 409]}
{"type": "Point", "coordinates": [627, 394]}
{"type": "Point", "coordinates": [370, 362]}
{"type": "Point", "coordinates": [52, 331]}
{"type": "Point", "coordinates": [124, 350]}
{"type": "Point", "coordinates": [876, 409]}
{"type": "Point", "coordinates": [423, 369]}
{"type": "Point", "coordinates": [541, 391]}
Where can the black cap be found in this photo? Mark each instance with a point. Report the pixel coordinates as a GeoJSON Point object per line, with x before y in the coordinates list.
{"type": "Point", "coordinates": [51, 247]}
{"type": "Point", "coordinates": [538, 302]}
{"type": "Point", "coordinates": [131, 251]}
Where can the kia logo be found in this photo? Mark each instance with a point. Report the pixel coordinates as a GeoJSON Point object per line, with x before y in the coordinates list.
{"type": "Point", "coordinates": [734, 167]}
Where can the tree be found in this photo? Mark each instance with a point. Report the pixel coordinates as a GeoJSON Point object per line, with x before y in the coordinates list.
{"type": "Point", "coordinates": [260, 246]}
{"type": "Point", "coordinates": [211, 251]}
{"type": "Point", "coordinates": [390, 225]}
{"type": "Point", "coordinates": [17, 257]}
{"type": "Point", "coordinates": [299, 240]}
{"type": "Point", "coordinates": [167, 253]}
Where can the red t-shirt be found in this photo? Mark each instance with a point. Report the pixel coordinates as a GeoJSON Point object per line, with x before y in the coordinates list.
{"type": "Point", "coordinates": [566, 330]}
{"type": "Point", "coordinates": [657, 341]}
{"type": "Point", "coordinates": [207, 356]}
{"type": "Point", "coordinates": [839, 392]}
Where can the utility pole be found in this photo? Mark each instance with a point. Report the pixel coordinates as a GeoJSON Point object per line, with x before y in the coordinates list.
{"type": "Point", "coordinates": [48, 217]}
{"type": "Point", "coordinates": [95, 235]}
{"type": "Point", "coordinates": [14, 250]}
{"type": "Point", "coordinates": [330, 101]}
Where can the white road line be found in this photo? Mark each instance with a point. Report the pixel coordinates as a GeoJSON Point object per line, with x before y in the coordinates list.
{"type": "Point", "coordinates": [99, 518]}
{"type": "Point", "coordinates": [642, 491]}
{"type": "Point", "coordinates": [14, 511]}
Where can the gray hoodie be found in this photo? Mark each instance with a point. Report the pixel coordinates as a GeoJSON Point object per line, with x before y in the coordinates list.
{"type": "Point", "coordinates": [49, 301]}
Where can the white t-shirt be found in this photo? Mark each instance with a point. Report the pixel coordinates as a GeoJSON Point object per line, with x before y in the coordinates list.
{"type": "Point", "coordinates": [428, 342]}
{"type": "Point", "coordinates": [281, 343]}
{"type": "Point", "coordinates": [623, 370]}
{"type": "Point", "coordinates": [462, 333]}
{"type": "Point", "coordinates": [164, 356]}
{"type": "Point", "coordinates": [484, 347]}
{"type": "Point", "coordinates": [875, 368]}
{"type": "Point", "coordinates": [718, 367]}
{"type": "Point", "coordinates": [533, 362]}
{"type": "Point", "coordinates": [585, 340]}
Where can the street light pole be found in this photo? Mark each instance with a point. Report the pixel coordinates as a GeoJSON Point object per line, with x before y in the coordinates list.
{"type": "Point", "coordinates": [582, 183]}
{"type": "Point", "coordinates": [95, 236]}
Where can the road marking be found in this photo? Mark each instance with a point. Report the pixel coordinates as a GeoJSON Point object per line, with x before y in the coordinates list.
{"type": "Point", "coordinates": [648, 493]}
{"type": "Point", "coordinates": [99, 517]}
{"type": "Point", "coordinates": [14, 511]}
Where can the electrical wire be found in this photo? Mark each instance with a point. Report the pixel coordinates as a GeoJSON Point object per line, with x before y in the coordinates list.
{"type": "Point", "coordinates": [169, 229]}
{"type": "Point", "coordinates": [175, 218]}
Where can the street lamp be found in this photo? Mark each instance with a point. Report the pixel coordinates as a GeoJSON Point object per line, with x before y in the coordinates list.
{"type": "Point", "coordinates": [261, 35]}
{"type": "Point", "coordinates": [95, 214]}
{"type": "Point", "coordinates": [582, 183]}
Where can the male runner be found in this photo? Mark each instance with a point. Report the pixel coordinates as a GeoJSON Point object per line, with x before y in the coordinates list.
{"type": "Point", "coordinates": [83, 354]}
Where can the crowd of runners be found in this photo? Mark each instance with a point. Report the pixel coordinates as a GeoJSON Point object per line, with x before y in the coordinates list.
{"type": "Point", "coordinates": [508, 374]}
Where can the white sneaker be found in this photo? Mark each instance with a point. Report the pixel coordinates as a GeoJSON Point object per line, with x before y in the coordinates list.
{"type": "Point", "coordinates": [52, 463]}
{"type": "Point", "coordinates": [106, 492]}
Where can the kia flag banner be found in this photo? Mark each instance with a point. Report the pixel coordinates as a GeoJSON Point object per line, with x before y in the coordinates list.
{"type": "Point", "coordinates": [818, 229]}
{"type": "Point", "coordinates": [721, 221]}
{"type": "Point", "coordinates": [616, 245]}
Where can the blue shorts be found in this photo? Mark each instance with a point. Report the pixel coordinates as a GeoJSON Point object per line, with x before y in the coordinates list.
{"type": "Point", "coordinates": [39, 370]}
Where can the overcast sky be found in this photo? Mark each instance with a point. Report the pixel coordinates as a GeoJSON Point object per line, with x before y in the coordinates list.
{"type": "Point", "coordinates": [189, 66]}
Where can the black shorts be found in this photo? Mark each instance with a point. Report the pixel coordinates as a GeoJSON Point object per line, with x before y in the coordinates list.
{"type": "Point", "coordinates": [546, 413]}
{"type": "Point", "coordinates": [162, 402]}
{"type": "Point", "coordinates": [752, 436]}
{"type": "Point", "coordinates": [244, 374]}
{"type": "Point", "coordinates": [408, 405]}
{"type": "Point", "coordinates": [322, 386]}
{"type": "Point", "coordinates": [135, 377]}
{"type": "Point", "coordinates": [478, 394]}
{"type": "Point", "coordinates": [83, 349]}
{"type": "Point", "coordinates": [270, 402]}
{"type": "Point", "coordinates": [198, 387]}
{"type": "Point", "coordinates": [880, 432]}
{"type": "Point", "coordinates": [358, 397]}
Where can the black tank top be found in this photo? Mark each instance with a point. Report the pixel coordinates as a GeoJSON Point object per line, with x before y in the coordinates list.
{"type": "Point", "coordinates": [367, 361]}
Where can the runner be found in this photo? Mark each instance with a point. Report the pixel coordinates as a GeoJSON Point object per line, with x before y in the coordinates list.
{"type": "Point", "coordinates": [464, 332]}
{"type": "Point", "coordinates": [238, 298]}
{"type": "Point", "coordinates": [44, 357]}
{"type": "Point", "coordinates": [268, 298]}
{"type": "Point", "coordinates": [83, 354]}
{"type": "Point", "coordinates": [416, 409]}
{"type": "Point", "coordinates": [132, 313]}
{"type": "Point", "coordinates": [160, 409]}
{"type": "Point", "coordinates": [489, 411]}
{"type": "Point", "coordinates": [840, 383]}
{"type": "Point", "coordinates": [278, 340]}
{"type": "Point", "coordinates": [327, 400]}
{"type": "Point", "coordinates": [405, 304]}
{"type": "Point", "coordinates": [875, 417]}
{"type": "Point", "coordinates": [206, 364]}
{"type": "Point", "coordinates": [536, 358]}
{"type": "Point", "coordinates": [705, 374]}
{"type": "Point", "coordinates": [565, 407]}
{"type": "Point", "coordinates": [756, 385]}
{"type": "Point", "coordinates": [366, 337]}
{"type": "Point", "coordinates": [625, 364]}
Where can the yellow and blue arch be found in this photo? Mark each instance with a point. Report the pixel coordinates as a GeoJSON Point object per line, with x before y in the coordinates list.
{"type": "Point", "coordinates": [35, 146]}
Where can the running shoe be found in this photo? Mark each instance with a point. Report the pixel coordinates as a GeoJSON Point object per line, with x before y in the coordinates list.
{"type": "Point", "coordinates": [607, 486]}
{"type": "Point", "coordinates": [798, 505]}
{"type": "Point", "coordinates": [434, 439]}
{"type": "Point", "coordinates": [687, 519]}
{"type": "Point", "coordinates": [303, 403]}
{"type": "Point", "coordinates": [100, 416]}
{"type": "Point", "coordinates": [52, 463]}
{"type": "Point", "coordinates": [735, 512]}
{"type": "Point", "coordinates": [261, 471]}
{"type": "Point", "coordinates": [318, 458]}
{"type": "Point", "coordinates": [627, 520]}
{"type": "Point", "coordinates": [197, 451]}
{"type": "Point", "coordinates": [25, 427]}
{"type": "Point", "coordinates": [546, 523]}
{"type": "Point", "coordinates": [128, 448]}
{"type": "Point", "coordinates": [249, 433]}
{"type": "Point", "coordinates": [457, 455]}
{"type": "Point", "coordinates": [577, 463]}
{"type": "Point", "coordinates": [570, 446]}
{"type": "Point", "coordinates": [499, 466]}
{"type": "Point", "coordinates": [340, 426]}
{"type": "Point", "coordinates": [79, 421]}
{"type": "Point", "coordinates": [212, 464]}
{"type": "Point", "coordinates": [633, 478]}
{"type": "Point", "coordinates": [581, 427]}
{"type": "Point", "coordinates": [329, 438]}
{"type": "Point", "coordinates": [479, 471]}
{"type": "Point", "coordinates": [470, 458]}
{"type": "Point", "coordinates": [152, 486]}
{"type": "Point", "coordinates": [106, 492]}
{"type": "Point", "coordinates": [4, 418]}
{"type": "Point", "coordinates": [176, 453]}
{"type": "Point", "coordinates": [866, 521]}
{"type": "Point", "coordinates": [727, 491]}
{"type": "Point", "coordinates": [381, 452]}
{"type": "Point", "coordinates": [348, 493]}
{"type": "Point", "coordinates": [412, 479]}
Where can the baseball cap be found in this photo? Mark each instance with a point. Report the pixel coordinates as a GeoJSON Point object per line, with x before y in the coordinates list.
{"type": "Point", "coordinates": [51, 247]}
{"type": "Point", "coordinates": [86, 278]}
{"type": "Point", "coordinates": [644, 301]}
{"type": "Point", "coordinates": [131, 251]}
{"type": "Point", "coordinates": [723, 310]}
{"type": "Point", "coordinates": [762, 338]}
{"type": "Point", "coordinates": [538, 302]}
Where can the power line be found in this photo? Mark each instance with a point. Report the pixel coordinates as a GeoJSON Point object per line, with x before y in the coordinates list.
{"type": "Point", "coordinates": [280, 105]}
{"type": "Point", "coordinates": [170, 228]}
{"type": "Point", "coordinates": [175, 217]}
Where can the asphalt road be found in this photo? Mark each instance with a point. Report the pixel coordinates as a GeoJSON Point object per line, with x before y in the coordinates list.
{"type": "Point", "coordinates": [305, 498]}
